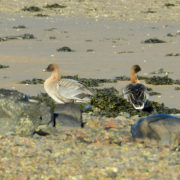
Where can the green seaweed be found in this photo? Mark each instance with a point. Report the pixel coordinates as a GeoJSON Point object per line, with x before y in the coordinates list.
{"type": "Point", "coordinates": [33, 81]}
{"type": "Point", "coordinates": [108, 103]}
{"type": "Point", "coordinates": [55, 5]}
{"type": "Point", "coordinates": [41, 15]}
{"type": "Point", "coordinates": [32, 9]}
{"type": "Point", "coordinates": [169, 5]}
{"type": "Point", "coordinates": [17, 37]}
{"type": "Point", "coordinates": [4, 66]}
{"type": "Point", "coordinates": [19, 27]}
{"type": "Point", "coordinates": [157, 80]}
{"type": "Point", "coordinates": [173, 54]}
{"type": "Point", "coordinates": [153, 41]}
{"type": "Point", "coordinates": [177, 88]}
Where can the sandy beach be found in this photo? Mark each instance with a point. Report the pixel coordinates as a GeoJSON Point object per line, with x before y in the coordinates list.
{"type": "Point", "coordinates": [106, 38]}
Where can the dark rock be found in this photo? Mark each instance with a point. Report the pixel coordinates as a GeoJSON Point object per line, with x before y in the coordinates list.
{"type": "Point", "coordinates": [68, 114]}
{"type": "Point", "coordinates": [153, 41]}
{"type": "Point", "coordinates": [23, 36]}
{"type": "Point", "coordinates": [65, 49]}
{"type": "Point", "coordinates": [55, 5]}
{"type": "Point", "coordinates": [32, 9]}
{"type": "Point", "coordinates": [20, 116]}
{"type": "Point", "coordinates": [162, 128]}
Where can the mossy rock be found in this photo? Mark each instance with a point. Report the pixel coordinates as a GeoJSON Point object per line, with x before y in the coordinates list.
{"type": "Point", "coordinates": [44, 98]}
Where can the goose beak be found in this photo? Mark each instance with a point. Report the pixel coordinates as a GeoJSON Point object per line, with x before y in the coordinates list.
{"type": "Point", "coordinates": [44, 70]}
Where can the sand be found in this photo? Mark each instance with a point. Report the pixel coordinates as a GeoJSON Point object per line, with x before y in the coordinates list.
{"type": "Point", "coordinates": [103, 48]}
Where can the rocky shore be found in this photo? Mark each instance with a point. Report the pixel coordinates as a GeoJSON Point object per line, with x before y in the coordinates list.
{"type": "Point", "coordinates": [41, 141]}
{"type": "Point", "coordinates": [98, 41]}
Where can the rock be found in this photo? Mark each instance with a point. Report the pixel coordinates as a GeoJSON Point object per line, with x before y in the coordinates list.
{"type": "Point", "coordinates": [68, 114]}
{"type": "Point", "coordinates": [20, 116]}
{"type": "Point", "coordinates": [163, 128]}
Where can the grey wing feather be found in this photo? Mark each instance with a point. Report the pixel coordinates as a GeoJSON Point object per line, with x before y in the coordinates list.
{"type": "Point", "coordinates": [72, 89]}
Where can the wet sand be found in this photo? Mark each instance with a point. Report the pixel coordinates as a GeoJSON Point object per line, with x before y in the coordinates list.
{"type": "Point", "coordinates": [102, 49]}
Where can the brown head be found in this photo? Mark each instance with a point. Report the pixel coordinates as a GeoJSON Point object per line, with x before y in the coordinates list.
{"type": "Point", "coordinates": [54, 68]}
{"type": "Point", "coordinates": [134, 70]}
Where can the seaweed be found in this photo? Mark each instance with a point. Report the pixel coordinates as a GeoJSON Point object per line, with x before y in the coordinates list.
{"type": "Point", "coordinates": [41, 15]}
{"type": "Point", "coordinates": [160, 71]}
{"type": "Point", "coordinates": [32, 9]}
{"type": "Point", "coordinates": [169, 5]}
{"type": "Point", "coordinates": [4, 66]}
{"type": "Point", "coordinates": [149, 11]}
{"type": "Point", "coordinates": [153, 41]}
{"type": "Point", "coordinates": [19, 27]}
{"type": "Point", "coordinates": [26, 36]}
{"type": "Point", "coordinates": [122, 78]}
{"type": "Point", "coordinates": [55, 5]}
{"type": "Point", "coordinates": [152, 93]}
{"type": "Point", "coordinates": [108, 103]}
{"type": "Point", "coordinates": [157, 80]}
{"type": "Point", "coordinates": [177, 88]}
{"type": "Point", "coordinates": [65, 49]}
{"type": "Point", "coordinates": [173, 54]}
{"type": "Point", "coordinates": [33, 81]}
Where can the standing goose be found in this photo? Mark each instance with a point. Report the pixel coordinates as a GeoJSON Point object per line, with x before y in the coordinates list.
{"type": "Point", "coordinates": [65, 90]}
{"type": "Point", "coordinates": [135, 92]}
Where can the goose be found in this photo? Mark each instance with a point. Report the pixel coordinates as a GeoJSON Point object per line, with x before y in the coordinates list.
{"type": "Point", "coordinates": [135, 92]}
{"type": "Point", "coordinates": [65, 90]}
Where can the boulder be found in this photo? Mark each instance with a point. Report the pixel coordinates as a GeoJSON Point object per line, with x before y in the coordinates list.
{"type": "Point", "coordinates": [67, 115]}
{"type": "Point", "coordinates": [161, 128]}
{"type": "Point", "coordinates": [18, 115]}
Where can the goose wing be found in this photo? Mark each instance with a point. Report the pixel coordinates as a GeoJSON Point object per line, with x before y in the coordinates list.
{"type": "Point", "coordinates": [136, 94]}
{"type": "Point", "coordinates": [74, 90]}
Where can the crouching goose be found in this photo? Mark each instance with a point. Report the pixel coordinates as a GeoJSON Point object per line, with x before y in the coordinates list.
{"type": "Point", "coordinates": [65, 90]}
{"type": "Point", "coordinates": [135, 92]}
